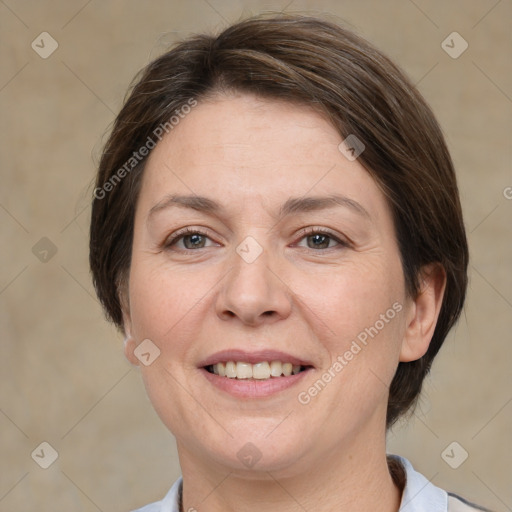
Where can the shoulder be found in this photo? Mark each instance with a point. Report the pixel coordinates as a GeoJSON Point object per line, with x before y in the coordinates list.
{"type": "Point", "coordinates": [459, 504]}
{"type": "Point", "coordinates": [170, 503]}
{"type": "Point", "coordinates": [420, 495]}
{"type": "Point", "coordinates": [152, 507]}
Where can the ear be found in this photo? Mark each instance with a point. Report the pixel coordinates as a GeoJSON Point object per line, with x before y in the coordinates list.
{"type": "Point", "coordinates": [423, 313]}
{"type": "Point", "coordinates": [129, 341]}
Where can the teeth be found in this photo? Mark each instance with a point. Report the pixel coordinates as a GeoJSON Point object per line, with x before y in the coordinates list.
{"type": "Point", "coordinates": [230, 369]}
{"type": "Point", "coordinates": [243, 370]}
{"type": "Point", "coordinates": [276, 368]}
{"type": "Point", "coordinates": [259, 371]}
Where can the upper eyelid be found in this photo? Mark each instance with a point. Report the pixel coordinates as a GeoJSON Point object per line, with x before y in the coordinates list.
{"type": "Point", "coordinates": [180, 233]}
{"type": "Point", "coordinates": [314, 229]}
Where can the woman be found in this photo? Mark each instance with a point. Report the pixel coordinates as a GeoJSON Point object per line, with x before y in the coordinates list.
{"type": "Point", "coordinates": [277, 231]}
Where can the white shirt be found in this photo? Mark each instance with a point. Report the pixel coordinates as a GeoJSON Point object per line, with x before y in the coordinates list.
{"type": "Point", "coordinates": [419, 495]}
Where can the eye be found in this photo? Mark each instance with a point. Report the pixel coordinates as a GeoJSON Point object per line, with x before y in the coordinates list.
{"type": "Point", "coordinates": [190, 239]}
{"type": "Point", "coordinates": [320, 239]}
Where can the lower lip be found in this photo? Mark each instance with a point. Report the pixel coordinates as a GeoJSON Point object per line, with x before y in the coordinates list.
{"type": "Point", "coordinates": [253, 388]}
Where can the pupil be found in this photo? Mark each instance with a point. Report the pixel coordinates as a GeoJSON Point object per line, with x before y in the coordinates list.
{"type": "Point", "coordinates": [195, 241]}
{"type": "Point", "coordinates": [320, 238]}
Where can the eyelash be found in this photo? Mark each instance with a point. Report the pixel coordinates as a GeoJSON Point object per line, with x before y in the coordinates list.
{"type": "Point", "coordinates": [304, 233]}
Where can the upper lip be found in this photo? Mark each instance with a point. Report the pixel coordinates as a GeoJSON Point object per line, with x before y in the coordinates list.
{"type": "Point", "coordinates": [252, 357]}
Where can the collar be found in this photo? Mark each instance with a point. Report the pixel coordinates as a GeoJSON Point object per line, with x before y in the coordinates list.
{"type": "Point", "coordinates": [418, 495]}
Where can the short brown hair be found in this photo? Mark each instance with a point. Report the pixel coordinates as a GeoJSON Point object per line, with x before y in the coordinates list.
{"type": "Point", "coordinates": [303, 60]}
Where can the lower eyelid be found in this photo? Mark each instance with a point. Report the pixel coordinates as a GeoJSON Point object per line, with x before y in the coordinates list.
{"type": "Point", "coordinates": [339, 243]}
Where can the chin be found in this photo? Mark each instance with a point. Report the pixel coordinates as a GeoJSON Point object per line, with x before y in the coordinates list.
{"type": "Point", "coordinates": [253, 455]}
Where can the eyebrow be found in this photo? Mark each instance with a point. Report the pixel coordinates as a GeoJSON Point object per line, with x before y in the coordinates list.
{"type": "Point", "coordinates": [292, 205]}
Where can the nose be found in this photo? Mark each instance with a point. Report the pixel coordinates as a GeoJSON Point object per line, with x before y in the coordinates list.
{"type": "Point", "coordinates": [253, 293]}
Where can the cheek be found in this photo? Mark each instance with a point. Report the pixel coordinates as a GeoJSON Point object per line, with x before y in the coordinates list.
{"type": "Point", "coordinates": [161, 298]}
{"type": "Point", "coordinates": [357, 313]}
{"type": "Point", "coordinates": [167, 307]}
{"type": "Point", "coordinates": [351, 297]}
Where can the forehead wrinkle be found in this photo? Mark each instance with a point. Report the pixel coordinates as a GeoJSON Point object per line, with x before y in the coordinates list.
{"type": "Point", "coordinates": [292, 205]}
{"type": "Point", "coordinates": [307, 204]}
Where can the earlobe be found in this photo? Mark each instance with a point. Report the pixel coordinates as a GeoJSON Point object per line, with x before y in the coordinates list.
{"type": "Point", "coordinates": [129, 342]}
{"type": "Point", "coordinates": [129, 347]}
{"type": "Point", "coordinates": [424, 313]}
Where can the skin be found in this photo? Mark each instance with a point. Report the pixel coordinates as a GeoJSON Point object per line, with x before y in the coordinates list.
{"type": "Point", "coordinates": [251, 155]}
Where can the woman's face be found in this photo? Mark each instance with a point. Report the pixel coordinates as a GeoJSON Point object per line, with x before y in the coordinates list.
{"type": "Point", "coordinates": [290, 255]}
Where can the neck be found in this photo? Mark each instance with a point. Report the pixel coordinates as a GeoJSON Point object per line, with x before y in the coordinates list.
{"type": "Point", "coordinates": [356, 479]}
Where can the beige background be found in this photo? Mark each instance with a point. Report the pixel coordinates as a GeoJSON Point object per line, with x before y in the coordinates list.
{"type": "Point", "coordinates": [64, 378]}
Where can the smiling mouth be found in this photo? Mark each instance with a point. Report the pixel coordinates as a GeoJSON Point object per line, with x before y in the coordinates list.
{"type": "Point", "coordinates": [263, 370]}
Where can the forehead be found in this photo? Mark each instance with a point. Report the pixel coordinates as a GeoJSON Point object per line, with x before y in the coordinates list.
{"type": "Point", "coordinates": [241, 147]}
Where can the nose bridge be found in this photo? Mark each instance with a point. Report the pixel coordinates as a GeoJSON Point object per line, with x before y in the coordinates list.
{"type": "Point", "coordinates": [251, 291]}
